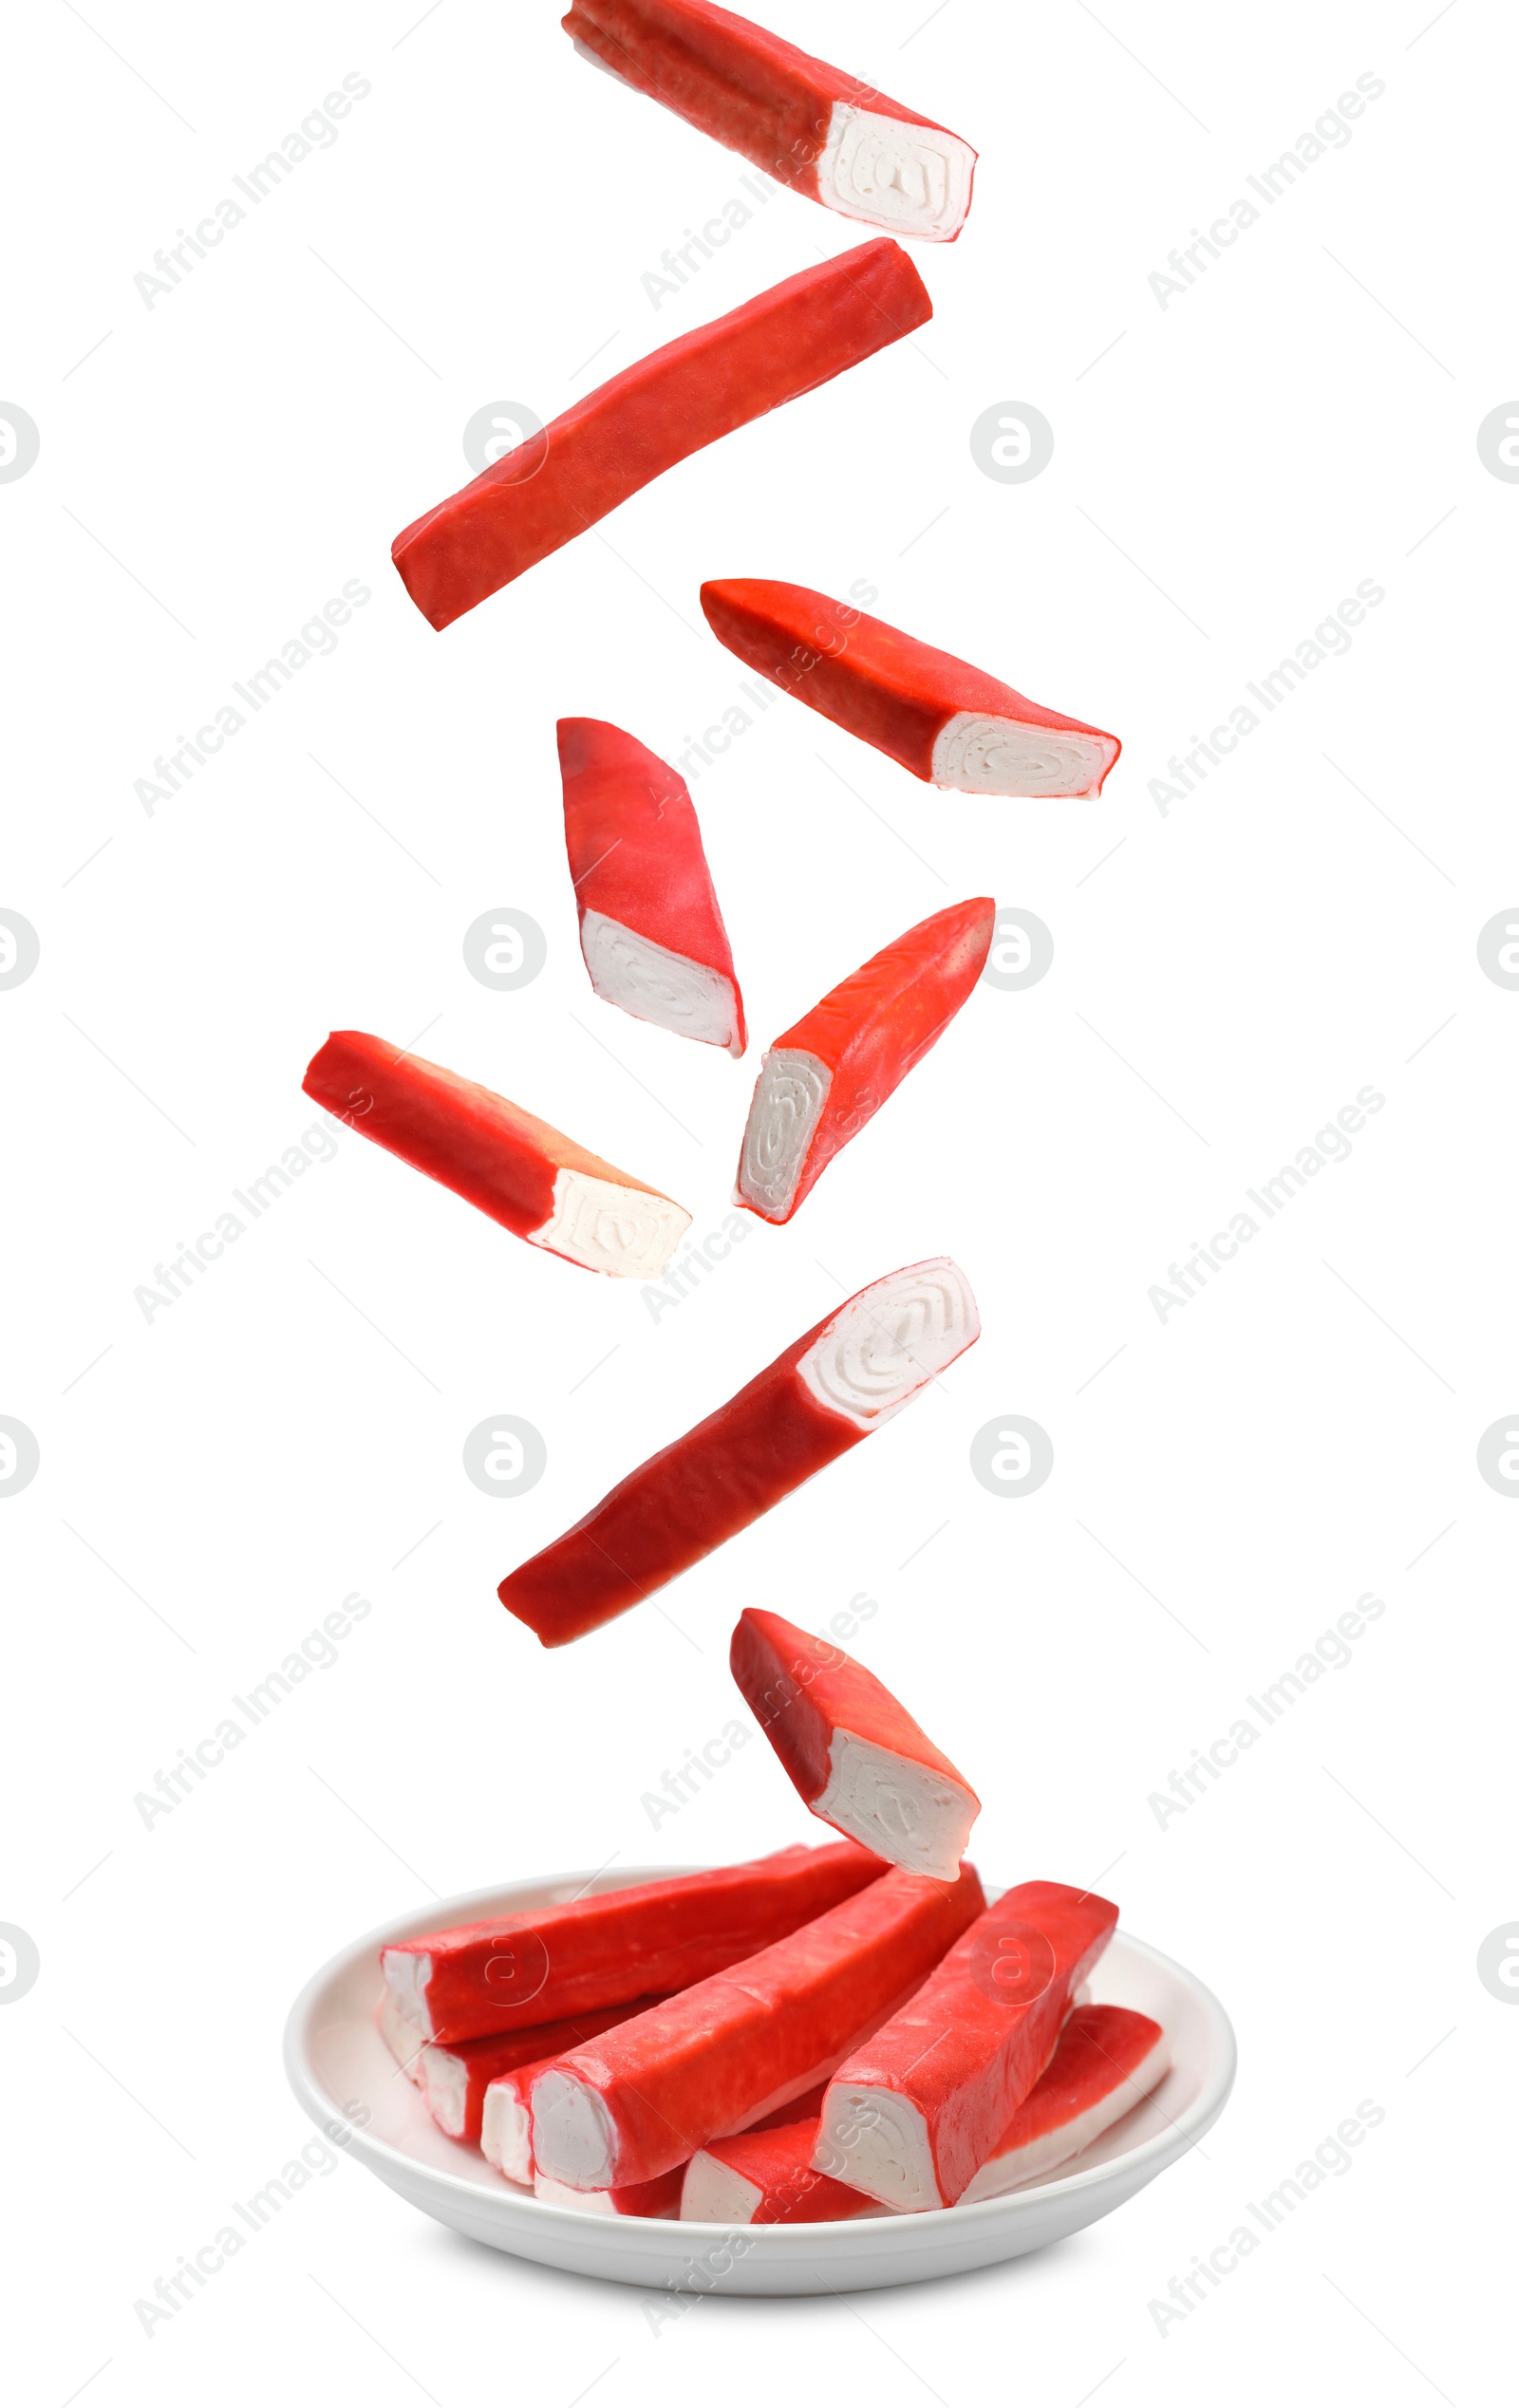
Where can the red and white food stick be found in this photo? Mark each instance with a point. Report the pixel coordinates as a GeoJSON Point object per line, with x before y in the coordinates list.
{"type": "Point", "coordinates": [456, 2079]}
{"type": "Point", "coordinates": [840, 1380]}
{"type": "Point", "coordinates": [854, 1756]}
{"type": "Point", "coordinates": [590, 1953]}
{"type": "Point", "coordinates": [1108, 2059]}
{"type": "Point", "coordinates": [506, 2128]}
{"type": "Point", "coordinates": [830, 136]}
{"type": "Point", "coordinates": [529, 1177]}
{"type": "Point", "coordinates": [660, 2197]}
{"type": "Point", "coordinates": [948, 723]}
{"type": "Point", "coordinates": [650, 930]}
{"type": "Point", "coordinates": [405, 2039]}
{"type": "Point", "coordinates": [825, 1077]}
{"type": "Point", "coordinates": [680, 398]}
{"type": "Point", "coordinates": [911, 2115]}
{"type": "Point", "coordinates": [767, 2177]}
{"type": "Point", "coordinates": [726, 2051]}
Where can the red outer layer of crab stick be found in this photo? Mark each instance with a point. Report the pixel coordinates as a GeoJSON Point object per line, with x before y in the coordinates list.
{"type": "Point", "coordinates": [728, 2050]}
{"type": "Point", "coordinates": [840, 1381]}
{"type": "Point", "coordinates": [650, 930]}
{"type": "Point", "coordinates": [680, 398]}
{"type": "Point", "coordinates": [854, 1756]}
{"type": "Point", "coordinates": [455, 2079]}
{"type": "Point", "coordinates": [767, 2177]}
{"type": "Point", "coordinates": [829, 136]}
{"type": "Point", "coordinates": [529, 1177]}
{"type": "Point", "coordinates": [824, 1079]}
{"type": "Point", "coordinates": [1108, 2059]}
{"type": "Point", "coordinates": [911, 2115]}
{"type": "Point", "coordinates": [571, 1959]}
{"type": "Point", "coordinates": [948, 723]}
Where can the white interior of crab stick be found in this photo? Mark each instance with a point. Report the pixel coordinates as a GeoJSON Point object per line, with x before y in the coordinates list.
{"type": "Point", "coordinates": [975, 755]}
{"type": "Point", "coordinates": [891, 1340]}
{"type": "Point", "coordinates": [885, 2140]}
{"type": "Point", "coordinates": [717, 2194]}
{"type": "Point", "coordinates": [406, 1977]}
{"type": "Point", "coordinates": [655, 984]}
{"type": "Point", "coordinates": [901, 1810]}
{"type": "Point", "coordinates": [405, 2039]}
{"type": "Point", "coordinates": [446, 2078]}
{"type": "Point", "coordinates": [506, 2134]}
{"type": "Point", "coordinates": [1067, 2140]}
{"type": "Point", "coordinates": [622, 1231]}
{"type": "Point", "coordinates": [912, 179]}
{"type": "Point", "coordinates": [788, 1103]}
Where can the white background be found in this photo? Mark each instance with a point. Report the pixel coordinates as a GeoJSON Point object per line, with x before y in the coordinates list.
{"type": "Point", "coordinates": [1226, 977]}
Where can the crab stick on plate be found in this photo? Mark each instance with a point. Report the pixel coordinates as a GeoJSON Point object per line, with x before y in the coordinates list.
{"type": "Point", "coordinates": [529, 1177]}
{"type": "Point", "coordinates": [913, 2114]}
{"type": "Point", "coordinates": [590, 1953]}
{"type": "Point", "coordinates": [767, 2177]}
{"type": "Point", "coordinates": [950, 724]}
{"type": "Point", "coordinates": [855, 1757]}
{"type": "Point", "coordinates": [1108, 2059]}
{"type": "Point", "coordinates": [454, 2078]}
{"type": "Point", "coordinates": [837, 1383]}
{"type": "Point", "coordinates": [830, 136]}
{"type": "Point", "coordinates": [712, 2061]}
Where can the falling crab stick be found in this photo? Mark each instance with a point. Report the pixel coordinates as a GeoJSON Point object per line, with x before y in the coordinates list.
{"type": "Point", "coordinates": [824, 1077]}
{"type": "Point", "coordinates": [405, 2039]}
{"type": "Point", "coordinates": [650, 930]}
{"type": "Point", "coordinates": [602, 449]}
{"type": "Point", "coordinates": [854, 1756]}
{"type": "Point", "coordinates": [724, 2052]}
{"type": "Point", "coordinates": [948, 723]}
{"type": "Point", "coordinates": [529, 1177]}
{"type": "Point", "coordinates": [767, 2177]}
{"type": "Point", "coordinates": [455, 2079]}
{"type": "Point", "coordinates": [571, 1959]}
{"type": "Point", "coordinates": [830, 136]}
{"type": "Point", "coordinates": [1108, 2059]}
{"type": "Point", "coordinates": [840, 1380]}
{"type": "Point", "coordinates": [911, 2115]}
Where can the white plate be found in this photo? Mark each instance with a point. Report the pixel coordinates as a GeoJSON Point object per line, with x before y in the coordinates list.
{"type": "Point", "coordinates": [339, 2067]}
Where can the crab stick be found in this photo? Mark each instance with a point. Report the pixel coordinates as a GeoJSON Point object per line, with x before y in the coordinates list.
{"type": "Point", "coordinates": [404, 2040]}
{"type": "Point", "coordinates": [455, 2079]}
{"type": "Point", "coordinates": [854, 1756]}
{"type": "Point", "coordinates": [660, 2197]}
{"type": "Point", "coordinates": [829, 136]}
{"type": "Point", "coordinates": [825, 1077]}
{"type": "Point", "coordinates": [912, 2115]}
{"type": "Point", "coordinates": [724, 2052]}
{"type": "Point", "coordinates": [767, 2177]}
{"type": "Point", "coordinates": [506, 2125]}
{"type": "Point", "coordinates": [686, 395]}
{"type": "Point", "coordinates": [948, 723]}
{"type": "Point", "coordinates": [588, 1952]}
{"type": "Point", "coordinates": [840, 1381]}
{"type": "Point", "coordinates": [1108, 2059]}
{"type": "Point", "coordinates": [529, 1177]}
{"type": "Point", "coordinates": [650, 930]}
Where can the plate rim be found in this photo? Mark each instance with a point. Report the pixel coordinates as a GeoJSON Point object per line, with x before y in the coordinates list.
{"type": "Point", "coordinates": [927, 2224]}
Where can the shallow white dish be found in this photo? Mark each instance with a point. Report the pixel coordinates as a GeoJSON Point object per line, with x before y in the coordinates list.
{"type": "Point", "coordinates": [340, 2068]}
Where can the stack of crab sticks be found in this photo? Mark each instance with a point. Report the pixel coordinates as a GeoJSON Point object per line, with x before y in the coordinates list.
{"type": "Point", "coordinates": [828, 2032]}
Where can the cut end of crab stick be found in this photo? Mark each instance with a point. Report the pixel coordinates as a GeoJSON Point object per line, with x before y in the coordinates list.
{"type": "Point", "coordinates": [854, 1756]}
{"type": "Point", "coordinates": [825, 134]}
{"type": "Point", "coordinates": [662, 2196]}
{"type": "Point", "coordinates": [651, 929]}
{"type": "Point", "coordinates": [1108, 2059]}
{"type": "Point", "coordinates": [767, 2177]}
{"type": "Point", "coordinates": [829, 1074]}
{"type": "Point", "coordinates": [838, 1381]}
{"type": "Point", "coordinates": [518, 1169]}
{"type": "Point", "coordinates": [405, 2039]}
{"type": "Point", "coordinates": [950, 725]}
